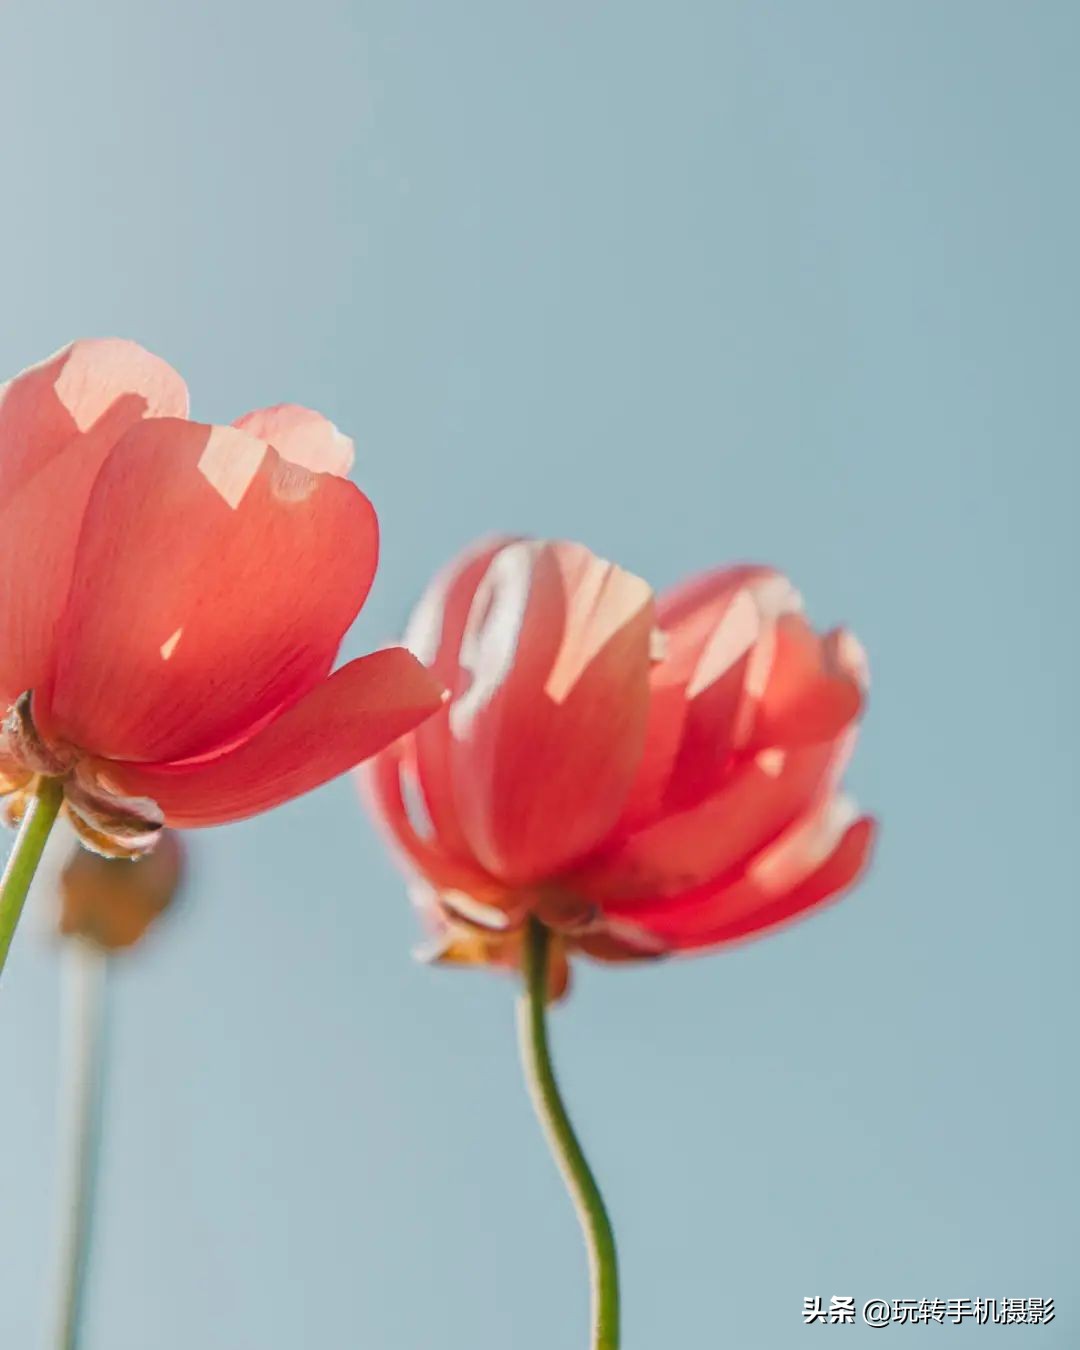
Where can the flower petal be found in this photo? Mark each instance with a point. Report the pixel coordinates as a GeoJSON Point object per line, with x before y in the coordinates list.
{"type": "Point", "coordinates": [433, 635]}
{"type": "Point", "coordinates": [58, 422]}
{"type": "Point", "coordinates": [813, 688]}
{"type": "Point", "coordinates": [352, 715]}
{"type": "Point", "coordinates": [50, 405]}
{"type": "Point", "coordinates": [714, 838]}
{"type": "Point", "coordinates": [301, 436]}
{"type": "Point", "coordinates": [709, 626]}
{"type": "Point", "coordinates": [831, 856]}
{"type": "Point", "coordinates": [547, 736]}
{"type": "Point", "coordinates": [381, 782]}
{"type": "Point", "coordinates": [213, 583]}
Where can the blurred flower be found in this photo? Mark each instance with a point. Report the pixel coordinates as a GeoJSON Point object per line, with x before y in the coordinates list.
{"type": "Point", "coordinates": [644, 776]}
{"type": "Point", "coordinates": [111, 902]}
{"type": "Point", "coordinates": [172, 598]}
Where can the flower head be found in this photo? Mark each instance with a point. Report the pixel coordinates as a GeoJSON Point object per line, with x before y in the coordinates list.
{"type": "Point", "coordinates": [644, 775]}
{"type": "Point", "coordinates": [172, 598]}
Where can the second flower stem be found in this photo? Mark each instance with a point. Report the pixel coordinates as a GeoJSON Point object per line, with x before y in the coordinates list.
{"type": "Point", "coordinates": [22, 863]}
{"type": "Point", "coordinates": [85, 992]}
{"type": "Point", "coordinates": [544, 1089]}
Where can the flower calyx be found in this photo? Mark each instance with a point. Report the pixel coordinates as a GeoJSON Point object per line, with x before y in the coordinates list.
{"type": "Point", "coordinates": [107, 822]}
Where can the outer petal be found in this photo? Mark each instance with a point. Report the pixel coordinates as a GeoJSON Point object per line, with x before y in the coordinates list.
{"type": "Point", "coordinates": [816, 861]}
{"type": "Point", "coordinates": [381, 781]}
{"type": "Point", "coordinates": [434, 636]}
{"type": "Point", "coordinates": [547, 737]}
{"type": "Point", "coordinates": [302, 436]}
{"type": "Point", "coordinates": [812, 689]}
{"type": "Point", "coordinates": [711, 840]}
{"type": "Point", "coordinates": [58, 422]}
{"type": "Point", "coordinates": [52, 404]}
{"type": "Point", "coordinates": [354, 714]}
{"type": "Point", "coordinates": [213, 583]}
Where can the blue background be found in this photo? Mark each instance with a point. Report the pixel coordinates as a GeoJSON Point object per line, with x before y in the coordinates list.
{"type": "Point", "coordinates": [691, 282]}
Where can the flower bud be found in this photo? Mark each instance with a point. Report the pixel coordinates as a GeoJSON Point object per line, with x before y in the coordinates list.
{"type": "Point", "coordinates": [112, 901]}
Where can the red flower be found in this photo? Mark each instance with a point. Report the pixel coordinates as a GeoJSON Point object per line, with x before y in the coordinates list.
{"type": "Point", "coordinates": [172, 597]}
{"type": "Point", "coordinates": [643, 776]}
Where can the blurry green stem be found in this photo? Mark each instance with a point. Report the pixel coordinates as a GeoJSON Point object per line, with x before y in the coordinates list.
{"type": "Point", "coordinates": [85, 1022]}
{"type": "Point", "coordinates": [595, 1224]}
{"type": "Point", "coordinates": [23, 860]}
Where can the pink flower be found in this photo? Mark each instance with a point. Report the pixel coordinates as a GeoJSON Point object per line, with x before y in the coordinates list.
{"type": "Point", "coordinates": [643, 775]}
{"type": "Point", "coordinates": [172, 598]}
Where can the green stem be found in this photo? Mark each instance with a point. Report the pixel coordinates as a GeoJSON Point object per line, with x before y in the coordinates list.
{"type": "Point", "coordinates": [86, 972]}
{"type": "Point", "coordinates": [23, 860]}
{"type": "Point", "coordinates": [544, 1089]}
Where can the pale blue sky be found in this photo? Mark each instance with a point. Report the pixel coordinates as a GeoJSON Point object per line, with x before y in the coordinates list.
{"type": "Point", "coordinates": [690, 282]}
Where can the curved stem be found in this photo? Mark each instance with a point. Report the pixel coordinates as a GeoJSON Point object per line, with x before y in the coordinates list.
{"type": "Point", "coordinates": [544, 1089]}
{"type": "Point", "coordinates": [23, 860]}
{"type": "Point", "coordinates": [85, 976]}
